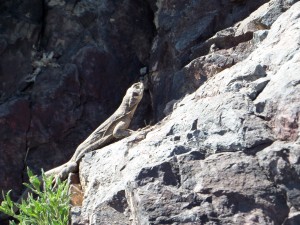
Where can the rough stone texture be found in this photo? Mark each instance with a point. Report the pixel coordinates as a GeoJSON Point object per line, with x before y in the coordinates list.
{"type": "Point", "coordinates": [182, 32]}
{"type": "Point", "coordinates": [14, 122]}
{"type": "Point", "coordinates": [73, 60]}
{"type": "Point", "coordinates": [227, 154]}
{"type": "Point", "coordinates": [226, 48]}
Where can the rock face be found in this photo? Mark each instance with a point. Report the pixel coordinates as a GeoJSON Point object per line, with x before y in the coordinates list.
{"type": "Point", "coordinates": [182, 30]}
{"type": "Point", "coordinates": [68, 63]}
{"type": "Point", "coordinates": [229, 153]}
{"type": "Point", "coordinates": [64, 68]}
{"type": "Point", "coordinates": [224, 75]}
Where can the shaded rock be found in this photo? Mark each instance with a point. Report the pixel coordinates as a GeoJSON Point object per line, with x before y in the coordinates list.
{"type": "Point", "coordinates": [72, 61]}
{"type": "Point", "coordinates": [293, 219]}
{"type": "Point", "coordinates": [75, 190]}
{"type": "Point", "coordinates": [20, 28]}
{"type": "Point", "coordinates": [15, 120]}
{"type": "Point", "coordinates": [281, 160]}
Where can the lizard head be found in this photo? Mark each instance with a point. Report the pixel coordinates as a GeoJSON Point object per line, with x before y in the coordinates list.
{"type": "Point", "coordinates": [135, 93]}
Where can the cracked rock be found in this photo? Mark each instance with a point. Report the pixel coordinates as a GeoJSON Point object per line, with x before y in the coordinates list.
{"type": "Point", "coordinates": [227, 154]}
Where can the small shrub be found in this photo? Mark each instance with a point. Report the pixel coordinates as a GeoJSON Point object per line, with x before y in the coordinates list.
{"type": "Point", "coordinates": [50, 207]}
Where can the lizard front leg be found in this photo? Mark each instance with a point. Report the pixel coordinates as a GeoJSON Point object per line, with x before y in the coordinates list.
{"type": "Point", "coordinates": [121, 131]}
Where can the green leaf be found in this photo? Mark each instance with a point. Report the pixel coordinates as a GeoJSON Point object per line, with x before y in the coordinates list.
{"type": "Point", "coordinates": [51, 207]}
{"type": "Point", "coordinates": [29, 173]}
{"type": "Point", "coordinates": [12, 222]}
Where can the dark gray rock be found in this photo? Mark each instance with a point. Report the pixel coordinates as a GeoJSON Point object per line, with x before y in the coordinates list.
{"type": "Point", "coordinates": [71, 62]}
{"type": "Point", "coordinates": [15, 121]}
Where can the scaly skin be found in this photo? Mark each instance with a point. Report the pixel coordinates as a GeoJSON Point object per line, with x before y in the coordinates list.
{"type": "Point", "coordinates": [114, 128]}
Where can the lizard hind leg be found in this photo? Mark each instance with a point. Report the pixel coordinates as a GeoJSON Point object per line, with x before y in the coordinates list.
{"type": "Point", "coordinates": [69, 167]}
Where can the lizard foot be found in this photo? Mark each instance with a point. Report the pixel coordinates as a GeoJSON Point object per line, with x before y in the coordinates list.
{"type": "Point", "coordinates": [70, 167]}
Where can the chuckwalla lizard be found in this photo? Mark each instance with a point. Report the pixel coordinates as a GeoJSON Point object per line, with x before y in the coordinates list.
{"type": "Point", "coordinates": [114, 128]}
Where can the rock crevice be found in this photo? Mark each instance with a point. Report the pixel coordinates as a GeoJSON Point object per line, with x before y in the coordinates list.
{"type": "Point", "coordinates": [224, 74]}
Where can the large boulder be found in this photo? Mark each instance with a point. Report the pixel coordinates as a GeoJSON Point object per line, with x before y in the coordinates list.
{"type": "Point", "coordinates": [227, 154]}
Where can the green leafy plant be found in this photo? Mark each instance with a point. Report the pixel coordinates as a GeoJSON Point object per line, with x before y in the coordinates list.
{"type": "Point", "coordinates": [50, 207]}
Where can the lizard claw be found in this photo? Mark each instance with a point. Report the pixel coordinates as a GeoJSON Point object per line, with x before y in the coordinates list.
{"type": "Point", "coordinates": [70, 167]}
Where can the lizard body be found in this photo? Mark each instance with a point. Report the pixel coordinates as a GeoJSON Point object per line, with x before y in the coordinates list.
{"type": "Point", "coordinates": [114, 128]}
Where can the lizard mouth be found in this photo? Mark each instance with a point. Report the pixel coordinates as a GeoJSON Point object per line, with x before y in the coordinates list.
{"type": "Point", "coordinates": [135, 94]}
